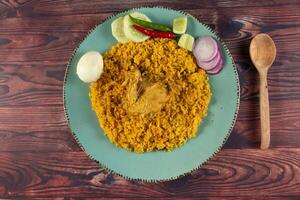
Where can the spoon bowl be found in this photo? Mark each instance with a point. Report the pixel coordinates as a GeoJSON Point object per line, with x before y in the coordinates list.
{"type": "Point", "coordinates": [263, 52]}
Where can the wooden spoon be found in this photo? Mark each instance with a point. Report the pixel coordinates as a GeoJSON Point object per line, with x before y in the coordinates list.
{"type": "Point", "coordinates": [263, 53]}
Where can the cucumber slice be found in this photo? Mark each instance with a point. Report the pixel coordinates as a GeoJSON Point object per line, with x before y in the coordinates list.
{"type": "Point", "coordinates": [118, 30]}
{"type": "Point", "coordinates": [179, 25]}
{"type": "Point", "coordinates": [130, 32]}
{"type": "Point", "coordinates": [186, 41]}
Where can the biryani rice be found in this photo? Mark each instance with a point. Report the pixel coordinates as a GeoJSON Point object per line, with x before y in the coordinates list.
{"type": "Point", "coordinates": [177, 118]}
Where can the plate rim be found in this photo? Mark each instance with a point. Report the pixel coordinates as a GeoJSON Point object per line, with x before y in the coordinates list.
{"type": "Point", "coordinates": [232, 122]}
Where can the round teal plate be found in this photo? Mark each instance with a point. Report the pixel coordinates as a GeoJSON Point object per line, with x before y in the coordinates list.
{"type": "Point", "coordinates": [160, 165]}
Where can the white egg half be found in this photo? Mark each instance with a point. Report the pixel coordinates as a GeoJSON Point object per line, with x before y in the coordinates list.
{"type": "Point", "coordinates": [90, 67]}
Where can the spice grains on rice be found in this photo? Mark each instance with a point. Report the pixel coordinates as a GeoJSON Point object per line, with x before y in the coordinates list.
{"type": "Point", "coordinates": [151, 95]}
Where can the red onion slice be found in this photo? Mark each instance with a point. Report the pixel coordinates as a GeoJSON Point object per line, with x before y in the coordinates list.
{"type": "Point", "coordinates": [210, 64]}
{"type": "Point", "coordinates": [218, 67]}
{"type": "Point", "coordinates": [205, 48]}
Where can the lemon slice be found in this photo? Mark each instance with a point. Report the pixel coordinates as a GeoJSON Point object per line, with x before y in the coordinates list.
{"type": "Point", "coordinates": [186, 41]}
{"type": "Point", "coordinates": [179, 25]}
{"type": "Point", "coordinates": [130, 32]}
{"type": "Point", "coordinates": [118, 30]}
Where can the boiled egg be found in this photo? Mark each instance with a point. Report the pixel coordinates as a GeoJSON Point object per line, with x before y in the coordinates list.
{"type": "Point", "coordinates": [90, 67]}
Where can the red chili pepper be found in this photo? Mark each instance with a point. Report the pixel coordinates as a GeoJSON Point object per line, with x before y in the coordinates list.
{"type": "Point", "coordinates": [153, 33]}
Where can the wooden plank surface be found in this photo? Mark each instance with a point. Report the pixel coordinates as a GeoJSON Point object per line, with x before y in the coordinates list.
{"type": "Point", "coordinates": [73, 174]}
{"type": "Point", "coordinates": [39, 157]}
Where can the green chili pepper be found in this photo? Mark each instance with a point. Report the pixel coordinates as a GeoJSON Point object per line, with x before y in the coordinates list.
{"type": "Point", "coordinates": [151, 25]}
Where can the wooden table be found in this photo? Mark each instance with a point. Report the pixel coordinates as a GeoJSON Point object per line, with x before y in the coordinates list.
{"type": "Point", "coordinates": [39, 157]}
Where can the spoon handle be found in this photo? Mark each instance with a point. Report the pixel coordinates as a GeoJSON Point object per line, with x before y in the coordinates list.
{"type": "Point", "coordinates": [264, 112]}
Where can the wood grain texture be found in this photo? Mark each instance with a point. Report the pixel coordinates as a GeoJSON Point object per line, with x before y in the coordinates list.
{"type": "Point", "coordinates": [39, 159]}
{"type": "Point", "coordinates": [73, 174]}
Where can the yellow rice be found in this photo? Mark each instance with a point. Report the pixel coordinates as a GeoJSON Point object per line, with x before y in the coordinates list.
{"type": "Point", "coordinates": [177, 121]}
